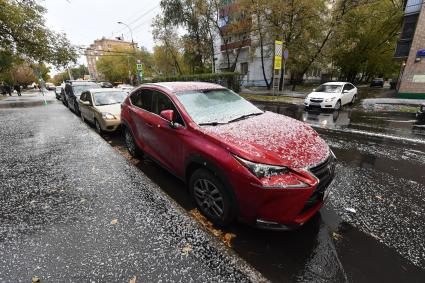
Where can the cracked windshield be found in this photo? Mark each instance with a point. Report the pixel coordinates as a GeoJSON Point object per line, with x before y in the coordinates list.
{"type": "Point", "coordinates": [212, 141]}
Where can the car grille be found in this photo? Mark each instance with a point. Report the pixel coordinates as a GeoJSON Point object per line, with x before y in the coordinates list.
{"type": "Point", "coordinates": [318, 100]}
{"type": "Point", "coordinates": [325, 172]}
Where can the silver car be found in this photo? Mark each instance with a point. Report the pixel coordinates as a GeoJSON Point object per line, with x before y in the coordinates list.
{"type": "Point", "coordinates": [102, 107]}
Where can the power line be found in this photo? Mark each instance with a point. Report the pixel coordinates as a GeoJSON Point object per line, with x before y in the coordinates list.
{"type": "Point", "coordinates": [140, 17]}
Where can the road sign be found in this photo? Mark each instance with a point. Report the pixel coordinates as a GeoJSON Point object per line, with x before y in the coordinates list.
{"type": "Point", "coordinates": [278, 54]}
{"type": "Point", "coordinates": [139, 67]}
{"type": "Point", "coordinates": [286, 54]}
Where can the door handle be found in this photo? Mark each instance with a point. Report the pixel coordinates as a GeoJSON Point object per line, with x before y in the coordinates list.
{"type": "Point", "coordinates": [149, 125]}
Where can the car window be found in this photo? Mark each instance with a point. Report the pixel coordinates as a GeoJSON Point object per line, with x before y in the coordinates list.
{"type": "Point", "coordinates": [83, 96]}
{"type": "Point", "coordinates": [347, 87]}
{"type": "Point", "coordinates": [109, 97]}
{"type": "Point", "coordinates": [162, 102]}
{"type": "Point", "coordinates": [88, 98]}
{"type": "Point", "coordinates": [329, 89]}
{"type": "Point", "coordinates": [142, 99]}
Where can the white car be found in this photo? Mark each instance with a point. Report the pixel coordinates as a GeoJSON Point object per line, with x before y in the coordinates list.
{"type": "Point", "coordinates": [125, 87]}
{"type": "Point", "coordinates": [332, 95]}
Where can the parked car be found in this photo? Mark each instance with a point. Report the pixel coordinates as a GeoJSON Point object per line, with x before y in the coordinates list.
{"type": "Point", "coordinates": [50, 86]}
{"type": "Point", "coordinates": [377, 82]}
{"type": "Point", "coordinates": [73, 90]}
{"type": "Point", "coordinates": [125, 87]}
{"type": "Point", "coordinates": [239, 162]}
{"type": "Point", "coordinates": [58, 91]}
{"type": "Point", "coordinates": [106, 85]}
{"type": "Point", "coordinates": [332, 95]}
{"type": "Point", "coordinates": [420, 115]}
{"type": "Point", "coordinates": [102, 108]}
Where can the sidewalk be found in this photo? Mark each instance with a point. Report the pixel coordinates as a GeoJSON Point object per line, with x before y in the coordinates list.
{"type": "Point", "coordinates": [393, 101]}
{"type": "Point", "coordinates": [72, 209]}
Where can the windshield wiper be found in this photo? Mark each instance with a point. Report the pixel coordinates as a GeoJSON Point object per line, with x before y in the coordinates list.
{"type": "Point", "coordinates": [245, 116]}
{"type": "Point", "coordinates": [211, 124]}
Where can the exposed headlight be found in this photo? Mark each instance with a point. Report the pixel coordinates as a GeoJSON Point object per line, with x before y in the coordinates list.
{"type": "Point", "coordinates": [330, 99]}
{"type": "Point", "coordinates": [262, 170]}
{"type": "Point", "coordinates": [108, 116]}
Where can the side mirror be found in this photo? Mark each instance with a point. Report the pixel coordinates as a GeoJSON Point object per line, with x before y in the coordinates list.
{"type": "Point", "coordinates": [87, 103]}
{"type": "Point", "coordinates": [167, 115]}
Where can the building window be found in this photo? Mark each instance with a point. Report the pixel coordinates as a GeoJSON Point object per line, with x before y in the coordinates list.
{"type": "Point", "coordinates": [244, 68]}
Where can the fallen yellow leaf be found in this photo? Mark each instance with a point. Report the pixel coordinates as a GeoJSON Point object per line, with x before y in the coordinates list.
{"type": "Point", "coordinates": [186, 249]}
{"type": "Point", "coordinates": [133, 280]}
{"type": "Point", "coordinates": [336, 236]}
{"type": "Point", "coordinates": [114, 221]}
{"type": "Point", "coordinates": [227, 239]}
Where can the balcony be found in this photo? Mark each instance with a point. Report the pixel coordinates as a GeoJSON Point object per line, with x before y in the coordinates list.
{"type": "Point", "coordinates": [236, 44]}
{"type": "Point", "coordinates": [413, 6]}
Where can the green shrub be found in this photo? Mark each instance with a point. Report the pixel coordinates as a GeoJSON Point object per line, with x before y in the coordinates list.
{"type": "Point", "coordinates": [229, 80]}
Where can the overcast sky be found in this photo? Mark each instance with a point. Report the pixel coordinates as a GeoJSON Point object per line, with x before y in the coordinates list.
{"type": "Point", "coordinates": [86, 20]}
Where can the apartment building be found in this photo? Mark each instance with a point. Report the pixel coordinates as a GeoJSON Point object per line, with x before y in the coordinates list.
{"type": "Point", "coordinates": [101, 47]}
{"type": "Point", "coordinates": [411, 49]}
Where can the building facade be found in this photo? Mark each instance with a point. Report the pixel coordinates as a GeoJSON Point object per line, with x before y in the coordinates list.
{"type": "Point", "coordinates": [411, 49]}
{"type": "Point", "coordinates": [101, 47]}
{"type": "Point", "coordinates": [238, 46]}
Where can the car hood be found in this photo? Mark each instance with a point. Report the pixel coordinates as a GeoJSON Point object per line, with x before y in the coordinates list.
{"type": "Point", "coordinates": [114, 109]}
{"type": "Point", "coordinates": [272, 139]}
{"type": "Point", "coordinates": [322, 95]}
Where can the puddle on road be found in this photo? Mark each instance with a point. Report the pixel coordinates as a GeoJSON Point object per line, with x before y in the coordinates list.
{"type": "Point", "coordinates": [25, 104]}
{"type": "Point", "coordinates": [388, 123]}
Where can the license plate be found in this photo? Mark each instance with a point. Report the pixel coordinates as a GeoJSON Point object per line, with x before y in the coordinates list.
{"type": "Point", "coordinates": [314, 104]}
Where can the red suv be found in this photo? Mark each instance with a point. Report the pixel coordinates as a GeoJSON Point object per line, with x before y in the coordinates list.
{"type": "Point", "coordinates": [238, 161]}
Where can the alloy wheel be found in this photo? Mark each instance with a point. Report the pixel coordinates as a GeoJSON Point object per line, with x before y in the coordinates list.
{"type": "Point", "coordinates": [208, 198]}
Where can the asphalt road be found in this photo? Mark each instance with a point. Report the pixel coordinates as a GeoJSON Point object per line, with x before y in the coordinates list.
{"type": "Point", "coordinates": [371, 228]}
{"type": "Point", "coordinates": [74, 210]}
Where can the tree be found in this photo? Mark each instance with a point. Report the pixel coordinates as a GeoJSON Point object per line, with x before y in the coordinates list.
{"type": "Point", "coordinates": [167, 38]}
{"type": "Point", "coordinates": [23, 33]}
{"type": "Point", "coordinates": [119, 64]}
{"type": "Point", "coordinates": [23, 74]}
{"type": "Point", "coordinates": [365, 41]}
{"type": "Point", "coordinates": [198, 41]}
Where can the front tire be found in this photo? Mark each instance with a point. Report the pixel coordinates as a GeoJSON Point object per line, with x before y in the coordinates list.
{"type": "Point", "coordinates": [354, 99]}
{"type": "Point", "coordinates": [212, 198]}
{"type": "Point", "coordinates": [132, 147]}
{"type": "Point", "coordinates": [98, 127]}
{"type": "Point", "coordinates": [338, 105]}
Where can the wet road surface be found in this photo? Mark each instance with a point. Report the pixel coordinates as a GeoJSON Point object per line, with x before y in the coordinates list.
{"type": "Point", "coordinates": [74, 210]}
{"type": "Point", "coordinates": [371, 228]}
{"type": "Point", "coordinates": [379, 180]}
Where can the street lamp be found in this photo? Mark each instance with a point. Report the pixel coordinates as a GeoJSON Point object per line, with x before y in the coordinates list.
{"type": "Point", "coordinates": [131, 33]}
{"type": "Point", "coordinates": [132, 43]}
